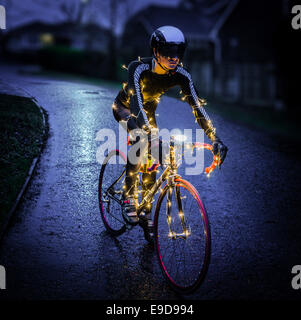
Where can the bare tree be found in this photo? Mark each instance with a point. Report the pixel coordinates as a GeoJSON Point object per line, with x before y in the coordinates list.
{"type": "Point", "coordinates": [68, 9]}
{"type": "Point", "coordinates": [74, 10]}
{"type": "Point", "coordinates": [113, 9]}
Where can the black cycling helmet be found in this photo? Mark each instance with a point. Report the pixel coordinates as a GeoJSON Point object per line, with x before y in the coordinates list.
{"type": "Point", "coordinates": [169, 41]}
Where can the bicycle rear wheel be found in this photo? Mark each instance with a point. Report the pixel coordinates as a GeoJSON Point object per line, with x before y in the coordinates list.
{"type": "Point", "coordinates": [110, 185]}
{"type": "Point", "coordinates": [183, 260]}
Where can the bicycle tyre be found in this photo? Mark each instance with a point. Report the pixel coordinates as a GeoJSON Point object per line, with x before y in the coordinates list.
{"type": "Point", "coordinates": [119, 226]}
{"type": "Point", "coordinates": [175, 285]}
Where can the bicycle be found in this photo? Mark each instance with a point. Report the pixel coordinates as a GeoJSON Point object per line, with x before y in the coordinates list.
{"type": "Point", "coordinates": [183, 270]}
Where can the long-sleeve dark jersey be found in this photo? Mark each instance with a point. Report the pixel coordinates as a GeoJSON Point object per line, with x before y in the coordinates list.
{"type": "Point", "coordinates": [142, 92]}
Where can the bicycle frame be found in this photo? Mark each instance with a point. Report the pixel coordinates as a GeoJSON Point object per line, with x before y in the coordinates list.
{"type": "Point", "coordinates": [170, 174]}
{"type": "Point", "coordinates": [149, 196]}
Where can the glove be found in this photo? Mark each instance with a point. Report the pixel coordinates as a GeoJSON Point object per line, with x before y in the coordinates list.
{"type": "Point", "coordinates": [219, 149]}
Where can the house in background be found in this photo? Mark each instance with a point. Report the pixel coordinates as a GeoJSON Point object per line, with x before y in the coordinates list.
{"type": "Point", "coordinates": [34, 36]}
{"type": "Point", "coordinates": [65, 47]}
{"type": "Point", "coordinates": [231, 52]}
{"type": "Point", "coordinates": [26, 38]}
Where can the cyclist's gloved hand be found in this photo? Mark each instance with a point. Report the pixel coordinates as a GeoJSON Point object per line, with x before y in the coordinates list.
{"type": "Point", "coordinates": [219, 149]}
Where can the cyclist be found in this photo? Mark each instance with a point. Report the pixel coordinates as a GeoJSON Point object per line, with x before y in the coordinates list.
{"type": "Point", "coordinates": [136, 103]}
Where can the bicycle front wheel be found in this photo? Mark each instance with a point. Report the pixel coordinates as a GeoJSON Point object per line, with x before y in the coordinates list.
{"type": "Point", "coordinates": [110, 185]}
{"type": "Point", "coordinates": [182, 236]}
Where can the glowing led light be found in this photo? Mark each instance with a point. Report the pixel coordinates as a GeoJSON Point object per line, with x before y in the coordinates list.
{"type": "Point", "coordinates": [187, 233]}
{"type": "Point", "coordinates": [180, 137]}
{"type": "Point", "coordinates": [170, 234]}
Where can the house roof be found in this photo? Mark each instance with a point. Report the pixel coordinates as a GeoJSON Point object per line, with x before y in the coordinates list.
{"type": "Point", "coordinates": [201, 23]}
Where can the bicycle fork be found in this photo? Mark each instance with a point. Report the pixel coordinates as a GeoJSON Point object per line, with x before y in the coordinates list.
{"type": "Point", "coordinates": [185, 231]}
{"type": "Point", "coordinates": [172, 185]}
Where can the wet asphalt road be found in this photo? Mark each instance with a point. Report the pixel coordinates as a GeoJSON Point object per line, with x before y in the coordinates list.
{"type": "Point", "coordinates": [57, 248]}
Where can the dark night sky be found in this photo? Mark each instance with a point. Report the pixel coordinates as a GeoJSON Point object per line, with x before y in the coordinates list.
{"type": "Point", "coordinates": [22, 12]}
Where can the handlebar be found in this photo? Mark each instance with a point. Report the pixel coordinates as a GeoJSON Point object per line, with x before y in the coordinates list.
{"type": "Point", "coordinates": [216, 158]}
{"type": "Point", "coordinates": [197, 145]}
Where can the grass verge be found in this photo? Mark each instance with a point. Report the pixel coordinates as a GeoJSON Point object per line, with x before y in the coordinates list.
{"type": "Point", "coordinates": [21, 137]}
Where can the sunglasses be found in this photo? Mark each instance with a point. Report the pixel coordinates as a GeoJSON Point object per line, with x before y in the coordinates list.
{"type": "Point", "coordinates": [172, 50]}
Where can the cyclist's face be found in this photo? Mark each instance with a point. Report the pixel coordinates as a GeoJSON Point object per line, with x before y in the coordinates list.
{"type": "Point", "coordinates": [168, 62]}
